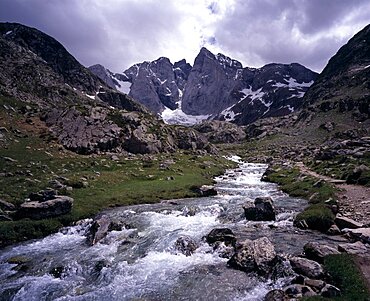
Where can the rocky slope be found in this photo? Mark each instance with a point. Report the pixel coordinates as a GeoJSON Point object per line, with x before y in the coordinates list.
{"type": "Point", "coordinates": [82, 112]}
{"type": "Point", "coordinates": [344, 84]}
{"type": "Point", "coordinates": [216, 87]}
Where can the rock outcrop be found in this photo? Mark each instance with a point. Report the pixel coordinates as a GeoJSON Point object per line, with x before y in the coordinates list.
{"type": "Point", "coordinates": [262, 210]}
{"type": "Point", "coordinates": [39, 210]}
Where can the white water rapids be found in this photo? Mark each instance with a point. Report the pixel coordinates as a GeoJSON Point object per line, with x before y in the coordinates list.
{"type": "Point", "coordinates": [141, 261]}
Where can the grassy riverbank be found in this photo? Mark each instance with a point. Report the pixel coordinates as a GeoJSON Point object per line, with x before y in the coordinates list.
{"type": "Point", "coordinates": [28, 163]}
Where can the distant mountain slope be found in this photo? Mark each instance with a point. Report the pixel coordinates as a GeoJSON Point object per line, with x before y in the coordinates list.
{"type": "Point", "coordinates": [81, 111]}
{"type": "Point", "coordinates": [216, 87]}
{"type": "Point", "coordinates": [344, 84]}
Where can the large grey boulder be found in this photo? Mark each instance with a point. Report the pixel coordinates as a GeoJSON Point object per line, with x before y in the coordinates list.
{"type": "Point", "coordinates": [307, 267]}
{"type": "Point", "coordinates": [317, 251]}
{"type": "Point", "coordinates": [38, 210]}
{"type": "Point", "coordinates": [263, 210]}
{"type": "Point", "coordinates": [221, 235]}
{"type": "Point", "coordinates": [254, 256]}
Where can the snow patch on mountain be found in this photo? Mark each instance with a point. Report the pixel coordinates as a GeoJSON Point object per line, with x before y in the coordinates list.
{"type": "Point", "coordinates": [292, 83]}
{"type": "Point", "coordinates": [123, 87]}
{"type": "Point", "coordinates": [177, 116]}
{"type": "Point", "coordinates": [229, 114]}
{"type": "Point", "coordinates": [252, 95]}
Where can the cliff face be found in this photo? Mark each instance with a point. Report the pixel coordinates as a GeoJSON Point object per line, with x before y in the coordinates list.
{"type": "Point", "coordinates": [216, 87]}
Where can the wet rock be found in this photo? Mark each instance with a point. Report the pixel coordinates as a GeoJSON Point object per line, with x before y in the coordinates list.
{"type": "Point", "coordinates": [353, 248]}
{"type": "Point", "coordinates": [298, 291]}
{"type": "Point", "coordinates": [223, 250]}
{"type": "Point", "coordinates": [57, 271]}
{"type": "Point", "coordinates": [330, 291]}
{"type": "Point", "coordinates": [317, 252]}
{"type": "Point", "coordinates": [276, 295]}
{"type": "Point", "coordinates": [281, 269]}
{"type": "Point", "coordinates": [207, 190]}
{"type": "Point", "coordinates": [222, 235]}
{"type": "Point", "coordinates": [254, 256]}
{"type": "Point", "coordinates": [190, 211]}
{"type": "Point", "coordinates": [315, 284]}
{"type": "Point", "coordinates": [100, 228]}
{"type": "Point", "coordinates": [263, 210]}
{"type": "Point", "coordinates": [6, 206]}
{"type": "Point", "coordinates": [306, 267]}
{"type": "Point", "coordinates": [50, 208]}
{"type": "Point", "coordinates": [186, 245]}
{"type": "Point", "coordinates": [344, 222]}
{"type": "Point", "coordinates": [362, 234]}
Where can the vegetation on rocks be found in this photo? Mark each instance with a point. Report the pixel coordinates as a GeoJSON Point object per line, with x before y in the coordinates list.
{"type": "Point", "coordinates": [347, 277]}
{"type": "Point", "coordinates": [317, 215]}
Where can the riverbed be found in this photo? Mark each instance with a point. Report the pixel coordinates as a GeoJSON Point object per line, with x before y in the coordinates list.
{"type": "Point", "coordinates": [141, 262]}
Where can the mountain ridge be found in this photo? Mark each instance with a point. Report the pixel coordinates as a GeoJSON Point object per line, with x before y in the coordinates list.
{"type": "Point", "coordinates": [213, 88]}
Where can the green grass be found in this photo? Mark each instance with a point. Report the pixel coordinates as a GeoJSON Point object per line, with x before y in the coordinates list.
{"type": "Point", "coordinates": [317, 215]}
{"type": "Point", "coordinates": [347, 277]}
{"type": "Point", "coordinates": [132, 180]}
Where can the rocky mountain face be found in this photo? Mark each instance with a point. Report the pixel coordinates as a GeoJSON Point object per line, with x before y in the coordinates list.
{"type": "Point", "coordinates": [81, 110]}
{"type": "Point", "coordinates": [344, 84]}
{"type": "Point", "coordinates": [216, 87]}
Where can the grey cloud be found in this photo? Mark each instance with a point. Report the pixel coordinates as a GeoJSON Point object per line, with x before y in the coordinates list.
{"type": "Point", "coordinates": [122, 32]}
{"type": "Point", "coordinates": [259, 32]}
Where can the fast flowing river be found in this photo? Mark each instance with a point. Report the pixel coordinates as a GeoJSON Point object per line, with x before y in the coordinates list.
{"type": "Point", "coordinates": [141, 262]}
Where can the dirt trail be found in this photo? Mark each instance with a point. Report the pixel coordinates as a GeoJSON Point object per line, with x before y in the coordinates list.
{"type": "Point", "coordinates": [354, 203]}
{"type": "Point", "coordinates": [354, 200]}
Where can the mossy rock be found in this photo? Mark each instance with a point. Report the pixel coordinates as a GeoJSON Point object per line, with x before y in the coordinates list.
{"type": "Point", "coordinates": [315, 217]}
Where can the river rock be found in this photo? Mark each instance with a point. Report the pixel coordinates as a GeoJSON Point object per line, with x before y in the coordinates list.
{"type": "Point", "coordinates": [207, 190]}
{"type": "Point", "coordinates": [354, 248]}
{"type": "Point", "coordinates": [306, 267]}
{"type": "Point", "coordinates": [299, 290]}
{"type": "Point", "coordinates": [51, 208]}
{"type": "Point", "coordinates": [100, 228]}
{"type": "Point", "coordinates": [330, 291]}
{"type": "Point", "coordinates": [317, 252]}
{"type": "Point", "coordinates": [344, 222]}
{"type": "Point", "coordinates": [263, 210]}
{"type": "Point", "coordinates": [222, 235]}
{"type": "Point", "coordinates": [316, 284]}
{"type": "Point", "coordinates": [276, 295]}
{"type": "Point", "coordinates": [362, 234]}
{"type": "Point", "coordinates": [186, 245]}
{"type": "Point", "coordinates": [254, 256]}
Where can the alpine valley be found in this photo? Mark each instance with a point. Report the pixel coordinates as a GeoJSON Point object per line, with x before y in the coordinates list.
{"type": "Point", "coordinates": [172, 181]}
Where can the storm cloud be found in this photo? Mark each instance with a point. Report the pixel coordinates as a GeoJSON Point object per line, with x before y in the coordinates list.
{"type": "Point", "coordinates": [118, 33]}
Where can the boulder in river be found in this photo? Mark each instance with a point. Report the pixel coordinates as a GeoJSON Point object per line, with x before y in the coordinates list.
{"type": "Point", "coordinates": [51, 208]}
{"type": "Point", "coordinates": [100, 228]}
{"type": "Point", "coordinates": [186, 245]}
{"type": "Point", "coordinates": [254, 256]}
{"type": "Point", "coordinates": [307, 267]}
{"type": "Point", "coordinates": [317, 252]}
{"type": "Point", "coordinates": [206, 190]}
{"type": "Point", "coordinates": [263, 210]}
{"type": "Point", "coordinates": [276, 295]}
{"type": "Point", "coordinates": [222, 235]}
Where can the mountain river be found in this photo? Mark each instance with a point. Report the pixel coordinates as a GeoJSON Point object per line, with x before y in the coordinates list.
{"type": "Point", "coordinates": [141, 261]}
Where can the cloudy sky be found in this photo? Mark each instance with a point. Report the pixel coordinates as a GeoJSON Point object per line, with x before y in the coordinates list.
{"type": "Point", "coordinates": [119, 33]}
